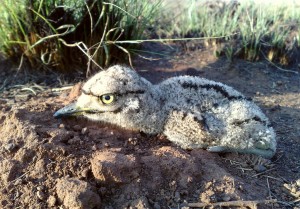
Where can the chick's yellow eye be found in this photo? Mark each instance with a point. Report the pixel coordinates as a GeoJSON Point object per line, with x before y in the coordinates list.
{"type": "Point", "coordinates": [107, 98]}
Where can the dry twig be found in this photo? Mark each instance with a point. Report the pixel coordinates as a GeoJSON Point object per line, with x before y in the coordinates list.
{"type": "Point", "coordinates": [239, 203]}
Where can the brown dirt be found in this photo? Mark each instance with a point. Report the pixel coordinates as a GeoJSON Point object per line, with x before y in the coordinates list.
{"type": "Point", "coordinates": [48, 163]}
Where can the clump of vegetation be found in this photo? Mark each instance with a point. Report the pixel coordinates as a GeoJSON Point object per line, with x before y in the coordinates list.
{"type": "Point", "coordinates": [64, 34]}
{"type": "Point", "coordinates": [242, 29]}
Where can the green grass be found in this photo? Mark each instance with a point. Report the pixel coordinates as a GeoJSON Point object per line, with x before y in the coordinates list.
{"type": "Point", "coordinates": [67, 35]}
{"type": "Point", "coordinates": [252, 31]}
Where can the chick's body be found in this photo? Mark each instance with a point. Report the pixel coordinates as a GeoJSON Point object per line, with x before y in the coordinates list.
{"type": "Point", "coordinates": [192, 112]}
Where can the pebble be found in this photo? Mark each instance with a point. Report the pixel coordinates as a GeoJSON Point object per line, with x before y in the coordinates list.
{"type": "Point", "coordinates": [9, 147]}
{"type": "Point", "coordinates": [226, 198]}
{"type": "Point", "coordinates": [279, 83]}
{"type": "Point", "coordinates": [276, 205]}
{"type": "Point", "coordinates": [74, 140]}
{"type": "Point", "coordinates": [103, 191]}
{"type": "Point", "coordinates": [77, 128]}
{"type": "Point", "coordinates": [39, 188]}
{"type": "Point", "coordinates": [51, 201]}
{"type": "Point", "coordinates": [298, 182]}
{"type": "Point", "coordinates": [177, 196]}
{"type": "Point", "coordinates": [84, 131]}
{"type": "Point", "coordinates": [184, 192]}
{"type": "Point", "coordinates": [128, 197]}
{"type": "Point", "coordinates": [22, 98]}
{"type": "Point", "coordinates": [259, 168]}
{"type": "Point", "coordinates": [40, 195]}
{"type": "Point", "coordinates": [156, 206]}
{"type": "Point", "coordinates": [61, 125]}
{"type": "Point", "coordinates": [132, 141]}
{"type": "Point", "coordinates": [213, 198]}
{"type": "Point", "coordinates": [84, 172]}
{"type": "Point", "coordinates": [94, 147]}
{"type": "Point", "coordinates": [293, 190]}
{"type": "Point", "coordinates": [18, 182]}
{"type": "Point", "coordinates": [106, 144]}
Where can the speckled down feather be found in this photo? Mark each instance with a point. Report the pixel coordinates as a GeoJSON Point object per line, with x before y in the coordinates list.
{"type": "Point", "coordinates": [192, 112]}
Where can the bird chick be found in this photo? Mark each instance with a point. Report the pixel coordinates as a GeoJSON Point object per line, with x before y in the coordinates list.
{"type": "Point", "coordinates": [192, 112]}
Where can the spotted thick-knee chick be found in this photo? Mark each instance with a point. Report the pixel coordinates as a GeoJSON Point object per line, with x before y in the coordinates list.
{"type": "Point", "coordinates": [192, 112]}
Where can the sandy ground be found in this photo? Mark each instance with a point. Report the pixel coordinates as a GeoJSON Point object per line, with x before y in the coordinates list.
{"type": "Point", "coordinates": [73, 163]}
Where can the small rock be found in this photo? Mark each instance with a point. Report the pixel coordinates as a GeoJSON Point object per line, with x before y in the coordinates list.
{"type": "Point", "coordinates": [177, 196]}
{"type": "Point", "coordinates": [106, 144]}
{"type": "Point", "coordinates": [40, 195]}
{"type": "Point", "coordinates": [132, 141]}
{"type": "Point", "coordinates": [77, 128]}
{"type": "Point", "coordinates": [184, 192]}
{"type": "Point", "coordinates": [259, 168]}
{"type": "Point", "coordinates": [213, 198]}
{"type": "Point", "coordinates": [94, 147]}
{"type": "Point", "coordinates": [64, 136]}
{"type": "Point", "coordinates": [156, 206]}
{"type": "Point", "coordinates": [18, 182]}
{"type": "Point", "coordinates": [275, 108]}
{"type": "Point", "coordinates": [226, 198]}
{"type": "Point", "coordinates": [74, 140]}
{"type": "Point", "coordinates": [276, 205]}
{"type": "Point", "coordinates": [110, 167]}
{"type": "Point", "coordinates": [61, 125]}
{"type": "Point", "coordinates": [74, 193]}
{"type": "Point", "coordinates": [10, 102]}
{"type": "Point", "coordinates": [125, 144]}
{"type": "Point", "coordinates": [140, 203]}
{"type": "Point", "coordinates": [85, 172]}
{"type": "Point", "coordinates": [51, 201]}
{"type": "Point", "coordinates": [128, 197]}
{"type": "Point", "coordinates": [9, 147]}
{"type": "Point", "coordinates": [10, 169]}
{"type": "Point", "coordinates": [298, 182]}
{"type": "Point", "coordinates": [103, 191]}
{"type": "Point", "coordinates": [27, 199]}
{"type": "Point", "coordinates": [22, 98]}
{"type": "Point", "coordinates": [293, 190]}
{"type": "Point", "coordinates": [39, 188]}
{"type": "Point", "coordinates": [84, 131]}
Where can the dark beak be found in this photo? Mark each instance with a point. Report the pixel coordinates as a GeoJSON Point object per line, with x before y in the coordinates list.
{"type": "Point", "coordinates": [69, 110]}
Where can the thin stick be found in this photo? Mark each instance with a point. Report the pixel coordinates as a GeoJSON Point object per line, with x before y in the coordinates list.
{"type": "Point", "coordinates": [270, 193]}
{"type": "Point", "coordinates": [263, 172]}
{"type": "Point", "coordinates": [77, 44]}
{"type": "Point", "coordinates": [279, 68]}
{"type": "Point", "coordinates": [62, 88]}
{"type": "Point", "coordinates": [238, 203]}
{"type": "Point", "coordinates": [167, 40]}
{"type": "Point", "coordinates": [271, 177]}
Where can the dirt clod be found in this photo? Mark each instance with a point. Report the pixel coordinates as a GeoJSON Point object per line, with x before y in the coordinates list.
{"type": "Point", "coordinates": [113, 168]}
{"type": "Point", "coordinates": [51, 201]}
{"type": "Point", "coordinates": [10, 169]}
{"type": "Point", "coordinates": [140, 203]}
{"type": "Point", "coordinates": [74, 193]}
